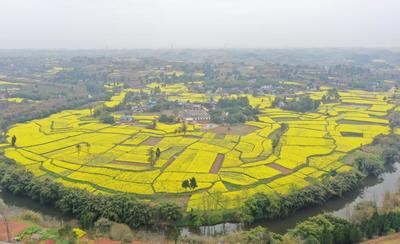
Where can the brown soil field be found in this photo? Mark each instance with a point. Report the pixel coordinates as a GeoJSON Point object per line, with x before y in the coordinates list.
{"type": "Point", "coordinates": [217, 163]}
{"type": "Point", "coordinates": [14, 228]}
{"type": "Point", "coordinates": [284, 170]}
{"type": "Point", "coordinates": [151, 141]}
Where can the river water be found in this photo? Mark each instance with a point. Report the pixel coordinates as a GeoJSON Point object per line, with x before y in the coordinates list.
{"type": "Point", "coordinates": [373, 189]}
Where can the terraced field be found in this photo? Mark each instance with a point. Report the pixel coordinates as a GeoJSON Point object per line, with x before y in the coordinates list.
{"type": "Point", "coordinates": [78, 151]}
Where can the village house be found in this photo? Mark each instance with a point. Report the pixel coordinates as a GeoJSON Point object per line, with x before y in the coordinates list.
{"type": "Point", "coordinates": [126, 119]}
{"type": "Point", "coordinates": [191, 116]}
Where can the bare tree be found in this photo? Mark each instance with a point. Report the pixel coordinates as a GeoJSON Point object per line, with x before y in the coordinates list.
{"type": "Point", "coordinates": [3, 212]}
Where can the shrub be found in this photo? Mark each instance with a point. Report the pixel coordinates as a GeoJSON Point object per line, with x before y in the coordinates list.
{"type": "Point", "coordinates": [169, 212]}
{"type": "Point", "coordinates": [257, 235]}
{"type": "Point", "coordinates": [107, 119]}
{"type": "Point", "coordinates": [390, 155]}
{"type": "Point", "coordinates": [103, 225]}
{"type": "Point", "coordinates": [34, 217]}
{"type": "Point", "coordinates": [369, 166]}
{"type": "Point", "coordinates": [127, 238]}
{"type": "Point", "coordinates": [119, 232]}
{"type": "Point", "coordinates": [166, 119]}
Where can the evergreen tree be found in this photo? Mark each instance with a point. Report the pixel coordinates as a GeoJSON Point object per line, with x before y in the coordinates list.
{"type": "Point", "coordinates": [185, 184]}
{"type": "Point", "coordinates": [152, 158]}
{"type": "Point", "coordinates": [193, 183]}
{"type": "Point", "coordinates": [13, 140]}
{"type": "Point", "coordinates": [158, 153]}
{"type": "Point", "coordinates": [78, 148]}
{"type": "Point", "coordinates": [326, 236]}
{"type": "Point", "coordinates": [52, 125]}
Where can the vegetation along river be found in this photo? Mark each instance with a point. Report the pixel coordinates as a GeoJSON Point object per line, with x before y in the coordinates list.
{"type": "Point", "coordinates": [373, 189]}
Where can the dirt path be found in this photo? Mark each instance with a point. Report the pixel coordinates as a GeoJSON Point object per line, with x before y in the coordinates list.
{"type": "Point", "coordinates": [217, 164]}
{"type": "Point", "coordinates": [390, 239]}
{"type": "Point", "coordinates": [284, 170]}
{"type": "Point", "coordinates": [168, 163]}
{"type": "Point", "coordinates": [129, 163]}
{"type": "Point", "coordinates": [108, 241]}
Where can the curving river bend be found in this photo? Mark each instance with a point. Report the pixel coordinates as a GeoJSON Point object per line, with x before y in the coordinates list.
{"type": "Point", "coordinates": [373, 189]}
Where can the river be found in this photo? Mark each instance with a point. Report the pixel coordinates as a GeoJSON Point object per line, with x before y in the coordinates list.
{"type": "Point", "coordinates": [373, 189]}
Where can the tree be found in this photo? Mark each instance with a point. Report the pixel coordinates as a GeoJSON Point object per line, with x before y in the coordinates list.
{"type": "Point", "coordinates": [185, 184]}
{"type": "Point", "coordinates": [169, 212]}
{"type": "Point", "coordinates": [298, 104]}
{"type": "Point", "coordinates": [153, 124]}
{"type": "Point", "coordinates": [81, 204]}
{"type": "Point", "coordinates": [394, 119]}
{"type": "Point", "coordinates": [52, 125]}
{"type": "Point", "coordinates": [193, 183]}
{"type": "Point", "coordinates": [354, 234]}
{"type": "Point", "coordinates": [363, 211]}
{"type": "Point", "coordinates": [107, 118]}
{"type": "Point", "coordinates": [13, 140]}
{"type": "Point", "coordinates": [158, 153]}
{"type": "Point", "coordinates": [91, 109]}
{"type": "Point", "coordinates": [67, 233]}
{"type": "Point", "coordinates": [390, 155]}
{"type": "Point", "coordinates": [262, 205]}
{"type": "Point", "coordinates": [88, 148]}
{"type": "Point", "coordinates": [370, 166]}
{"type": "Point", "coordinates": [166, 119]}
{"type": "Point", "coordinates": [87, 219]}
{"type": "Point", "coordinates": [184, 126]}
{"type": "Point", "coordinates": [157, 90]}
{"type": "Point", "coordinates": [3, 212]}
{"type": "Point", "coordinates": [152, 158]}
{"type": "Point", "coordinates": [257, 235]}
{"type": "Point", "coordinates": [103, 225]}
{"type": "Point", "coordinates": [78, 148]}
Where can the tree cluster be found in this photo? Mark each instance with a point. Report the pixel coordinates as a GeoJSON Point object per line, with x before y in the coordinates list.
{"type": "Point", "coordinates": [299, 104]}
{"type": "Point", "coordinates": [332, 96]}
{"type": "Point", "coordinates": [269, 206]}
{"type": "Point", "coordinates": [167, 118]}
{"type": "Point", "coordinates": [233, 111]}
{"type": "Point", "coordinates": [190, 183]}
{"type": "Point", "coordinates": [106, 118]}
{"type": "Point", "coordinates": [86, 207]}
{"type": "Point", "coordinates": [327, 229]}
{"type": "Point", "coordinates": [367, 221]}
{"type": "Point", "coordinates": [272, 205]}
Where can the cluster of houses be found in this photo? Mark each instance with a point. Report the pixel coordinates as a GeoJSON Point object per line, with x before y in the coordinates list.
{"type": "Point", "coordinates": [191, 114]}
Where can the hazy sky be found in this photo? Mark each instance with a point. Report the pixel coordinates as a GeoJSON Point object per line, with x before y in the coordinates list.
{"type": "Point", "coordinates": [199, 23]}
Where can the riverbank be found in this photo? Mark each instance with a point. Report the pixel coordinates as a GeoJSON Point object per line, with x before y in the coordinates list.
{"type": "Point", "coordinates": [295, 205]}
{"type": "Point", "coordinates": [26, 226]}
{"type": "Point", "coordinates": [372, 189]}
{"type": "Point", "coordinates": [378, 159]}
{"type": "Point", "coordinates": [390, 239]}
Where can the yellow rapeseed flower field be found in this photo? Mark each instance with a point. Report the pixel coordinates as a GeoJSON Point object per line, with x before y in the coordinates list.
{"type": "Point", "coordinates": [77, 150]}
